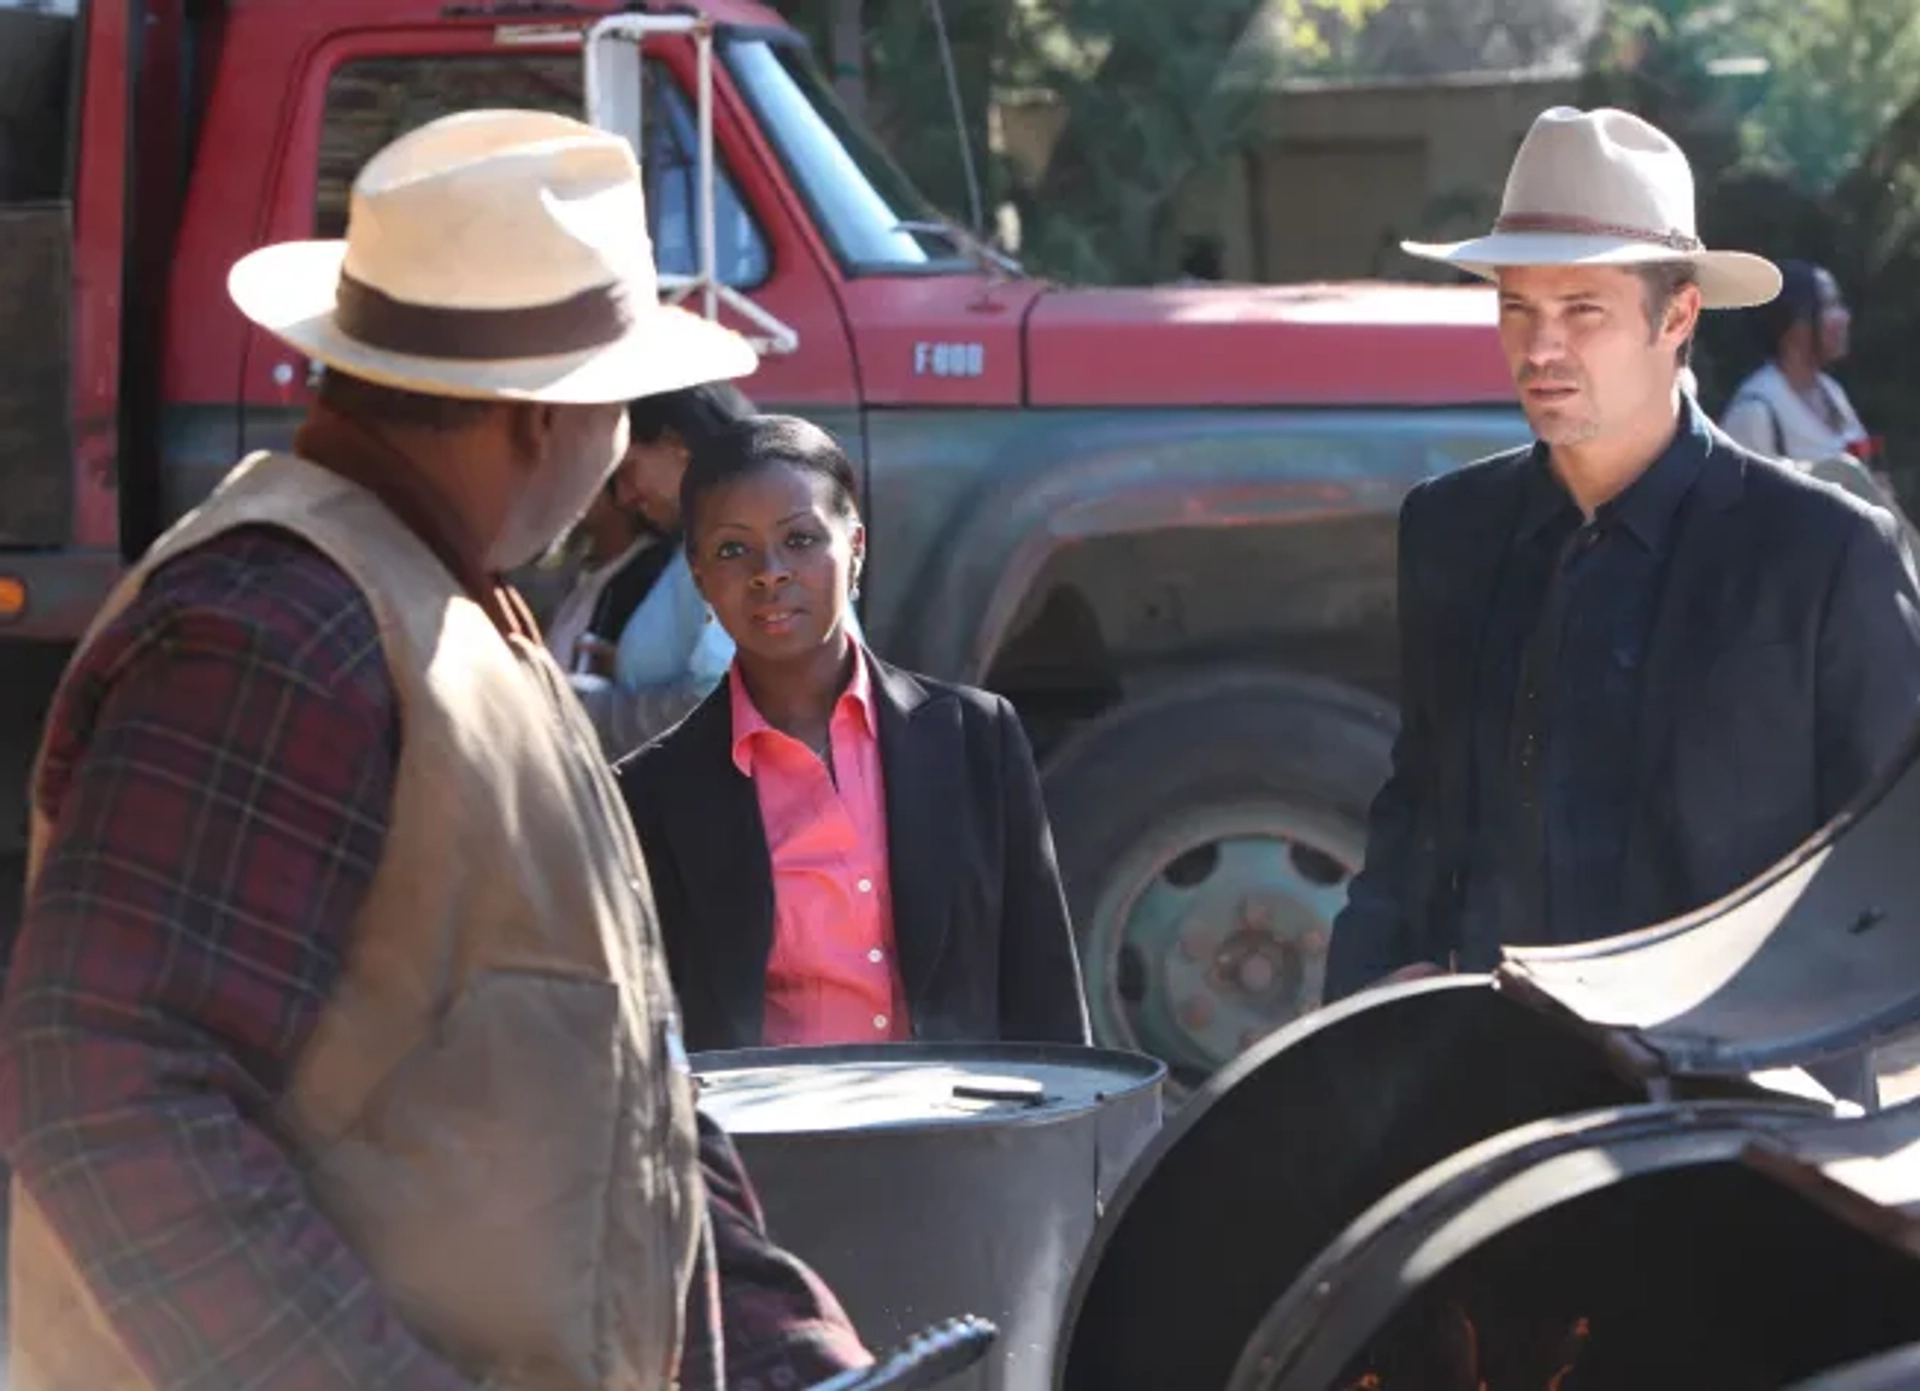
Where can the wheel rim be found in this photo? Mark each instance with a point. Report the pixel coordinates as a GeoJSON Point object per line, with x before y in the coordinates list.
{"type": "Point", "coordinates": [1212, 932]}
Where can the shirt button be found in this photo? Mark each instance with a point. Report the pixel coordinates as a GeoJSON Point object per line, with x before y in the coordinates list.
{"type": "Point", "coordinates": [865, 886]}
{"type": "Point", "coordinates": [880, 1023]}
{"type": "Point", "coordinates": [876, 956]}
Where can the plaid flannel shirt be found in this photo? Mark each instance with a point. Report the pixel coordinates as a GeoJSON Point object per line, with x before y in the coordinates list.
{"type": "Point", "coordinates": [219, 773]}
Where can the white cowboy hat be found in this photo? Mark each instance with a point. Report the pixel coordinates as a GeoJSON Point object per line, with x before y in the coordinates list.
{"type": "Point", "coordinates": [491, 254]}
{"type": "Point", "coordinates": [1604, 188]}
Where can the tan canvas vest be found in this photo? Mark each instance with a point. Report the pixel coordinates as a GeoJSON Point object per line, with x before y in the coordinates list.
{"type": "Point", "coordinates": [494, 1109]}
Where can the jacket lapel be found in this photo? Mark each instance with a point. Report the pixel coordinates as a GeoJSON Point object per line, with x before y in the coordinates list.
{"type": "Point", "coordinates": [1680, 646]}
{"type": "Point", "coordinates": [1474, 546]}
{"type": "Point", "coordinates": [921, 751]}
{"type": "Point", "coordinates": [729, 871]}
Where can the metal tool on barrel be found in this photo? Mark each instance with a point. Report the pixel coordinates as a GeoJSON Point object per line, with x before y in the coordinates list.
{"type": "Point", "coordinates": [924, 1363]}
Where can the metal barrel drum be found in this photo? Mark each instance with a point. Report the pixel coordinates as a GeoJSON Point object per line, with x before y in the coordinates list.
{"type": "Point", "coordinates": [1271, 1159]}
{"type": "Point", "coordinates": [1636, 1249]}
{"type": "Point", "coordinates": [928, 1181]}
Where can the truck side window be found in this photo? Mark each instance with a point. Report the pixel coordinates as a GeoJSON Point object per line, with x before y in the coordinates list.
{"type": "Point", "coordinates": [371, 101]}
{"type": "Point", "coordinates": [740, 254]}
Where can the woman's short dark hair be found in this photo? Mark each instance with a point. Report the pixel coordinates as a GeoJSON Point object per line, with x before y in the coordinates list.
{"type": "Point", "coordinates": [761, 441]}
{"type": "Point", "coordinates": [694, 413]}
{"type": "Point", "coordinates": [1798, 302]}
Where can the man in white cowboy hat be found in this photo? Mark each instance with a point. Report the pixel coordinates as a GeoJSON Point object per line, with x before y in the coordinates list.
{"type": "Point", "coordinates": [1640, 664]}
{"type": "Point", "coordinates": [337, 1048]}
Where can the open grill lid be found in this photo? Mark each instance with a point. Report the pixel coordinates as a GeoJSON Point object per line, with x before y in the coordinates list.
{"type": "Point", "coordinates": [1818, 957]}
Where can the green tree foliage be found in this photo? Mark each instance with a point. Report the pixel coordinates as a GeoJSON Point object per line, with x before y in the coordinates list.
{"type": "Point", "coordinates": [1809, 85]}
{"type": "Point", "coordinates": [1409, 37]}
{"type": "Point", "coordinates": [1152, 93]}
{"type": "Point", "coordinates": [902, 84]}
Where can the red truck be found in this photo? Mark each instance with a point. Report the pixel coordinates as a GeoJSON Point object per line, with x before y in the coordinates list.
{"type": "Point", "coordinates": [1159, 520]}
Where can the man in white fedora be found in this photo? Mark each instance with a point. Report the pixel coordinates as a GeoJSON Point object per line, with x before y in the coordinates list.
{"type": "Point", "coordinates": [1639, 663]}
{"type": "Point", "coordinates": [337, 1049]}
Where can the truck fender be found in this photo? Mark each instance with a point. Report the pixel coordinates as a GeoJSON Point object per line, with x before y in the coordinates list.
{"type": "Point", "coordinates": [1081, 476]}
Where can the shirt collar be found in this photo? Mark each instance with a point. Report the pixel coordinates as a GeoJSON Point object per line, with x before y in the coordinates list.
{"type": "Point", "coordinates": [1650, 503]}
{"type": "Point", "coordinates": [749, 725]}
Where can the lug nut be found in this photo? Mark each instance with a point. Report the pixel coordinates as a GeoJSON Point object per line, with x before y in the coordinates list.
{"type": "Point", "coordinates": [1256, 973]}
{"type": "Point", "coordinates": [1197, 1013]}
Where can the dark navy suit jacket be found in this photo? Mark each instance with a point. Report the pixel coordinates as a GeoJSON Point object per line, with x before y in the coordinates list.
{"type": "Point", "coordinates": [1783, 672]}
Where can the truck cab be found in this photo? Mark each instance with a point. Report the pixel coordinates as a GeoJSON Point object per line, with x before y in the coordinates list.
{"type": "Point", "coordinates": [1159, 520]}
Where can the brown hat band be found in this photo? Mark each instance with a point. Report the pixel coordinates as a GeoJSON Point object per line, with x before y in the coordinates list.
{"type": "Point", "coordinates": [1589, 227]}
{"type": "Point", "coordinates": [591, 319]}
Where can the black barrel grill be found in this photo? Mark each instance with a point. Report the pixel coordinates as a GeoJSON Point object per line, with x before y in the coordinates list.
{"type": "Point", "coordinates": [1602, 1166]}
{"type": "Point", "coordinates": [1598, 1168]}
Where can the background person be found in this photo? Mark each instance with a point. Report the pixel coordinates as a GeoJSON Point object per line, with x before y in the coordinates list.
{"type": "Point", "coordinates": [1790, 407]}
{"type": "Point", "coordinates": [600, 549]}
{"type": "Point", "coordinates": [645, 647]}
{"type": "Point", "coordinates": [842, 851]}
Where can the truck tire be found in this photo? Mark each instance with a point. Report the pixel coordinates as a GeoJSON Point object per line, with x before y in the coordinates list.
{"type": "Point", "coordinates": [1206, 837]}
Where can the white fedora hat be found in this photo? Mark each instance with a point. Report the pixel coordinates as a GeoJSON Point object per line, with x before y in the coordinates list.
{"type": "Point", "coordinates": [1604, 188]}
{"type": "Point", "coordinates": [491, 254]}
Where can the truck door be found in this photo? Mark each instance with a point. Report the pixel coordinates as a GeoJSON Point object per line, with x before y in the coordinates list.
{"type": "Point", "coordinates": [366, 88]}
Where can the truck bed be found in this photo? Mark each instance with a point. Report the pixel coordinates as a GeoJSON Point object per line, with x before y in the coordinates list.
{"type": "Point", "coordinates": [36, 241]}
{"type": "Point", "coordinates": [36, 427]}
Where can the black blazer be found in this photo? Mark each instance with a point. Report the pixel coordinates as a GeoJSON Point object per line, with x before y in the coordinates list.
{"type": "Point", "coordinates": [985, 949]}
{"type": "Point", "coordinates": [1783, 673]}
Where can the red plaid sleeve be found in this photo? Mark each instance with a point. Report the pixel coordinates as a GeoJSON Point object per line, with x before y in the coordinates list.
{"type": "Point", "coordinates": [218, 779]}
{"type": "Point", "coordinates": [782, 1329]}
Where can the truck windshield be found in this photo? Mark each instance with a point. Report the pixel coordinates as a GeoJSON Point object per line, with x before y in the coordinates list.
{"type": "Point", "coordinates": [857, 194]}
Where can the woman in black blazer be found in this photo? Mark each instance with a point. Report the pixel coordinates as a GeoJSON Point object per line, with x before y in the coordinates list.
{"type": "Point", "coordinates": [841, 851]}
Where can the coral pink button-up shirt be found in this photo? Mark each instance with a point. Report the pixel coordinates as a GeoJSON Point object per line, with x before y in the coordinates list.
{"type": "Point", "coordinates": [831, 976]}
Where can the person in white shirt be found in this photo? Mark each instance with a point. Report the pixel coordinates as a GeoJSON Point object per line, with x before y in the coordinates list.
{"type": "Point", "coordinates": [640, 645]}
{"type": "Point", "coordinates": [1791, 408]}
{"type": "Point", "coordinates": [601, 546]}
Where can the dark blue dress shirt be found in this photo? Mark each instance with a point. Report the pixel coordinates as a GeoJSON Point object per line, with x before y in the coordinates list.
{"type": "Point", "coordinates": [1557, 706]}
